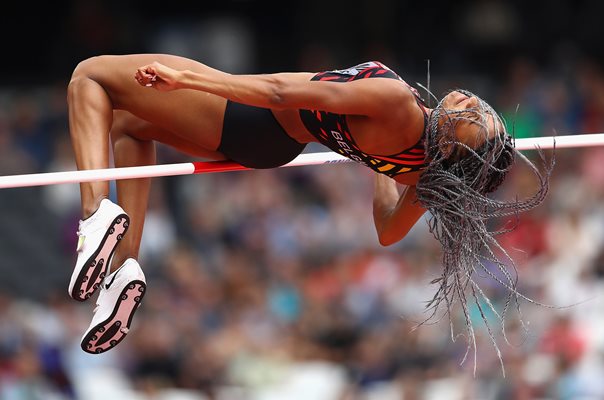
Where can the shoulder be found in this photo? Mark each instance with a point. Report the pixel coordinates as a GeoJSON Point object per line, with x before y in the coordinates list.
{"type": "Point", "coordinates": [399, 108]}
{"type": "Point", "coordinates": [392, 93]}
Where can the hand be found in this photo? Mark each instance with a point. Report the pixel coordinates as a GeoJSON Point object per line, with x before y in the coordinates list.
{"type": "Point", "coordinates": [158, 76]}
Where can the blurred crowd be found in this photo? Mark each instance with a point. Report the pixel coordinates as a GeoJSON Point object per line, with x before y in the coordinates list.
{"type": "Point", "coordinates": [272, 285]}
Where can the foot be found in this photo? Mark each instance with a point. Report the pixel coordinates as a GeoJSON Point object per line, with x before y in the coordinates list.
{"type": "Point", "coordinates": [98, 237]}
{"type": "Point", "coordinates": [120, 295]}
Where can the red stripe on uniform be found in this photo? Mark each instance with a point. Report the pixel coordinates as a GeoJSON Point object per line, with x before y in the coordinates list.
{"type": "Point", "coordinates": [399, 161]}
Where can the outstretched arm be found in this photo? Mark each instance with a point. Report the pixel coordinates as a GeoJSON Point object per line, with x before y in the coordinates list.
{"type": "Point", "coordinates": [393, 214]}
{"type": "Point", "coordinates": [283, 90]}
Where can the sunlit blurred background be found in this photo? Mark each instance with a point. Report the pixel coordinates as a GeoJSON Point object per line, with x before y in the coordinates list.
{"type": "Point", "coordinates": [271, 285]}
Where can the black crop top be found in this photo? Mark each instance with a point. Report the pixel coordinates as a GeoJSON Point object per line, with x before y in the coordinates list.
{"type": "Point", "coordinates": [332, 129]}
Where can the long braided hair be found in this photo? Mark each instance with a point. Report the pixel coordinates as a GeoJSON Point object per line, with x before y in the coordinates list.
{"type": "Point", "coordinates": [454, 188]}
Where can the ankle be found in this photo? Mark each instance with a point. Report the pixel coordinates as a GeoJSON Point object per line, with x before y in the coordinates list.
{"type": "Point", "coordinates": [118, 261]}
{"type": "Point", "coordinates": [92, 196]}
{"type": "Point", "coordinates": [91, 207]}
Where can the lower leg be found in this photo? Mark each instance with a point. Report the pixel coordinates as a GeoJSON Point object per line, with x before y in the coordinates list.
{"type": "Point", "coordinates": [133, 145]}
{"type": "Point", "coordinates": [132, 194]}
{"type": "Point", "coordinates": [90, 118]}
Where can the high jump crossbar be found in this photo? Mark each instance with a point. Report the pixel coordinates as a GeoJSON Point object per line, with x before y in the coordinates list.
{"type": "Point", "coordinates": [199, 167]}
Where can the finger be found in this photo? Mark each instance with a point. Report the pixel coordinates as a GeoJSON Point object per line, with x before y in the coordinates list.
{"type": "Point", "coordinates": [146, 71]}
{"type": "Point", "coordinates": [144, 79]}
{"type": "Point", "coordinates": [141, 79]}
{"type": "Point", "coordinates": [150, 80]}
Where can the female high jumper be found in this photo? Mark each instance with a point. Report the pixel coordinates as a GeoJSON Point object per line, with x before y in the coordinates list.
{"type": "Point", "coordinates": [444, 160]}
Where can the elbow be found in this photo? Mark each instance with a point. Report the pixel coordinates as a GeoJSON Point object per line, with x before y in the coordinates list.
{"type": "Point", "coordinates": [387, 239]}
{"type": "Point", "coordinates": [386, 243]}
{"type": "Point", "coordinates": [277, 94]}
{"type": "Point", "coordinates": [390, 235]}
{"type": "Point", "coordinates": [385, 232]}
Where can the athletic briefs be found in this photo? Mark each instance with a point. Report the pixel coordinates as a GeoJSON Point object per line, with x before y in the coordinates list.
{"type": "Point", "coordinates": [252, 137]}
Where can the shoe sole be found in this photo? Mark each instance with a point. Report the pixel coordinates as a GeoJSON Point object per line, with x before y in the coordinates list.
{"type": "Point", "coordinates": [107, 334]}
{"type": "Point", "coordinates": [95, 268]}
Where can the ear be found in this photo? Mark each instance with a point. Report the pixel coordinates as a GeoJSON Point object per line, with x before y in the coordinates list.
{"type": "Point", "coordinates": [446, 147]}
{"type": "Point", "coordinates": [451, 150]}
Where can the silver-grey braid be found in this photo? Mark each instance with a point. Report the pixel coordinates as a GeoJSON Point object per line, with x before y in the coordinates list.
{"type": "Point", "coordinates": [453, 188]}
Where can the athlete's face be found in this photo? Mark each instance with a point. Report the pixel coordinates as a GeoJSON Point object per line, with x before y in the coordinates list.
{"type": "Point", "coordinates": [468, 119]}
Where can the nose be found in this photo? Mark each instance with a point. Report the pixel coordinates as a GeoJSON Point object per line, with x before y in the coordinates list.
{"type": "Point", "coordinates": [472, 102]}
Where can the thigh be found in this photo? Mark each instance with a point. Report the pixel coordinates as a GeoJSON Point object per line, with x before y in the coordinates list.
{"type": "Point", "coordinates": [194, 116]}
{"type": "Point", "coordinates": [125, 123]}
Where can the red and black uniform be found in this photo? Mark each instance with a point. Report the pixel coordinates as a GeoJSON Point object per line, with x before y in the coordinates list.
{"type": "Point", "coordinates": [332, 129]}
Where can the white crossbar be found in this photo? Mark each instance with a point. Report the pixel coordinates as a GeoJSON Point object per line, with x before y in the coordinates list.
{"type": "Point", "coordinates": [149, 171]}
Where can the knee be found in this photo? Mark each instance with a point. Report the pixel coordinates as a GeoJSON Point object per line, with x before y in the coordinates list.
{"type": "Point", "coordinates": [89, 67]}
{"type": "Point", "coordinates": [126, 126]}
{"type": "Point", "coordinates": [83, 69]}
{"type": "Point", "coordinates": [85, 73]}
{"type": "Point", "coordinates": [121, 124]}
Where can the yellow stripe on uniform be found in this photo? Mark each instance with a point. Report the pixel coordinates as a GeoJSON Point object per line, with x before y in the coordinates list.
{"type": "Point", "coordinates": [386, 167]}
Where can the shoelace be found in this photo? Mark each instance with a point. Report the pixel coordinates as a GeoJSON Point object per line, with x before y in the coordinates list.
{"type": "Point", "coordinates": [81, 237]}
{"type": "Point", "coordinates": [98, 302]}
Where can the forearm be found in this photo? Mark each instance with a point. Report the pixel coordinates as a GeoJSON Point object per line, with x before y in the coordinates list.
{"type": "Point", "coordinates": [385, 199]}
{"type": "Point", "coordinates": [394, 215]}
{"type": "Point", "coordinates": [256, 90]}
